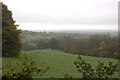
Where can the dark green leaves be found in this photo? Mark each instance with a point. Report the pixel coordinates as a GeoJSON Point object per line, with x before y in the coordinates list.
{"type": "Point", "coordinates": [101, 71]}
{"type": "Point", "coordinates": [11, 39]}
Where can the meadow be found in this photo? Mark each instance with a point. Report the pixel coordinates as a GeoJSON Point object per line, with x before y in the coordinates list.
{"type": "Point", "coordinates": [59, 62]}
{"type": "Point", "coordinates": [34, 38]}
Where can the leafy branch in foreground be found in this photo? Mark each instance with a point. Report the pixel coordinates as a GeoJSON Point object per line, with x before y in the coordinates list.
{"type": "Point", "coordinates": [26, 72]}
{"type": "Point", "coordinates": [101, 71]}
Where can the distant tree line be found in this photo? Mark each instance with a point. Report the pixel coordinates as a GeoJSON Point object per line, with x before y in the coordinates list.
{"type": "Point", "coordinates": [52, 34]}
{"type": "Point", "coordinates": [84, 46]}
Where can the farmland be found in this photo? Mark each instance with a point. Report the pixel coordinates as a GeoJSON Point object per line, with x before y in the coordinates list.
{"type": "Point", "coordinates": [59, 62]}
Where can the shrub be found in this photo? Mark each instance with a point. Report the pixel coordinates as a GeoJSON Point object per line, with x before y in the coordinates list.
{"type": "Point", "coordinates": [28, 69]}
{"type": "Point", "coordinates": [101, 71]}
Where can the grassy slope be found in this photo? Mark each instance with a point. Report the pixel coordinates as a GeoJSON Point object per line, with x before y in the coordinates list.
{"type": "Point", "coordinates": [60, 62]}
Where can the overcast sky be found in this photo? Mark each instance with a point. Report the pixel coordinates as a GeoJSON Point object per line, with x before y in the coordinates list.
{"type": "Point", "coordinates": [64, 14]}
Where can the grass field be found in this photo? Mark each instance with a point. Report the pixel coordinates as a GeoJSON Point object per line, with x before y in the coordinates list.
{"type": "Point", "coordinates": [59, 62]}
{"type": "Point", "coordinates": [34, 38]}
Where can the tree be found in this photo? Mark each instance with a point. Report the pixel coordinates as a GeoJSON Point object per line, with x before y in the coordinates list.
{"type": "Point", "coordinates": [102, 48]}
{"type": "Point", "coordinates": [41, 44]}
{"type": "Point", "coordinates": [53, 43]}
{"type": "Point", "coordinates": [0, 29]}
{"type": "Point", "coordinates": [11, 39]}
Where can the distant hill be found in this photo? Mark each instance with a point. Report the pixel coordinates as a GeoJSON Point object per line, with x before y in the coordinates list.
{"type": "Point", "coordinates": [84, 32]}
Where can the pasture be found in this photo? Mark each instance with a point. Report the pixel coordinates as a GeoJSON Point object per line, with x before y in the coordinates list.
{"type": "Point", "coordinates": [59, 62]}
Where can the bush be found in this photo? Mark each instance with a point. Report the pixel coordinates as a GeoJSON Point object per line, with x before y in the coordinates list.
{"type": "Point", "coordinates": [28, 69]}
{"type": "Point", "coordinates": [102, 70]}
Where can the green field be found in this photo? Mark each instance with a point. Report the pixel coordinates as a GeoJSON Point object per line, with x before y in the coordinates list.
{"type": "Point", "coordinates": [34, 38]}
{"type": "Point", "coordinates": [59, 62]}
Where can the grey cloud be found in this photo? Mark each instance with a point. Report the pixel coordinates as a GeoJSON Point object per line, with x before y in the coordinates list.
{"type": "Point", "coordinates": [98, 12]}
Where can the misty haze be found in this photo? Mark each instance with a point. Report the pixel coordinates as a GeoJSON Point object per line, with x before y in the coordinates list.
{"type": "Point", "coordinates": [64, 39]}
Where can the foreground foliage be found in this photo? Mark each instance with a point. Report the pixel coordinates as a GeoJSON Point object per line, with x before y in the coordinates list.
{"type": "Point", "coordinates": [26, 72]}
{"type": "Point", "coordinates": [101, 71]}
